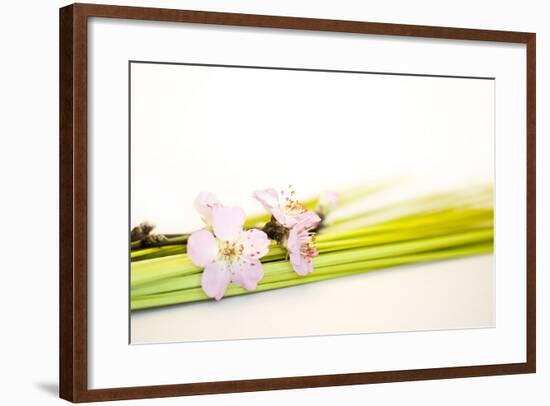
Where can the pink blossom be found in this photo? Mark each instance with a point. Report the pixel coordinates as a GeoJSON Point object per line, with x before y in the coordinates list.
{"type": "Point", "coordinates": [204, 204]}
{"type": "Point", "coordinates": [229, 254]}
{"type": "Point", "coordinates": [327, 202]}
{"type": "Point", "coordinates": [308, 220]}
{"type": "Point", "coordinates": [301, 248]}
{"type": "Point", "coordinates": [286, 209]}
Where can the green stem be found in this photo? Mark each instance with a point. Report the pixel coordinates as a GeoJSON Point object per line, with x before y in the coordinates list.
{"type": "Point", "coordinates": [436, 221]}
{"type": "Point", "coordinates": [191, 277]}
{"type": "Point", "coordinates": [179, 265]}
{"type": "Point", "coordinates": [286, 280]}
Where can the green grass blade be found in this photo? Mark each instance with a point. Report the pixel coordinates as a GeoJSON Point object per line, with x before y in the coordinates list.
{"type": "Point", "coordinates": [288, 280]}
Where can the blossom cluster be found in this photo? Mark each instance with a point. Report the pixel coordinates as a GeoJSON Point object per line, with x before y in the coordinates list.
{"type": "Point", "coordinates": [228, 253]}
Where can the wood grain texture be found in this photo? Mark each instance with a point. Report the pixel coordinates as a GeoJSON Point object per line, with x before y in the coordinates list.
{"type": "Point", "coordinates": [73, 201]}
{"type": "Point", "coordinates": [531, 174]}
{"type": "Point", "coordinates": [66, 130]}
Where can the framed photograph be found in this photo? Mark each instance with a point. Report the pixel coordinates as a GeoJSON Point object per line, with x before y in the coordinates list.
{"type": "Point", "coordinates": [256, 202]}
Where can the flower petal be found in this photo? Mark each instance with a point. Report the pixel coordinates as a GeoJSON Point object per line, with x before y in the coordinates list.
{"type": "Point", "coordinates": [287, 221]}
{"type": "Point", "coordinates": [255, 243]}
{"type": "Point", "coordinates": [267, 197]}
{"type": "Point", "coordinates": [328, 200]}
{"type": "Point", "coordinates": [302, 265]}
{"type": "Point", "coordinates": [202, 248]}
{"type": "Point", "coordinates": [204, 204]}
{"type": "Point", "coordinates": [309, 219]}
{"type": "Point", "coordinates": [295, 237]}
{"type": "Point", "coordinates": [227, 222]}
{"type": "Point", "coordinates": [215, 280]}
{"type": "Point", "coordinates": [247, 274]}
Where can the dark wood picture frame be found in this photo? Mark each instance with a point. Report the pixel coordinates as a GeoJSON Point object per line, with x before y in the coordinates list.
{"type": "Point", "coordinates": [73, 334]}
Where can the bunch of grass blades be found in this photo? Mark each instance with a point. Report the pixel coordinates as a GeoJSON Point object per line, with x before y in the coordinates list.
{"type": "Point", "coordinates": [434, 227]}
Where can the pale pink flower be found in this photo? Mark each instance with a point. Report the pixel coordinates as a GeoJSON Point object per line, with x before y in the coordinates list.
{"type": "Point", "coordinates": [204, 204]}
{"type": "Point", "coordinates": [229, 254]}
{"type": "Point", "coordinates": [286, 209]}
{"type": "Point", "coordinates": [300, 245]}
{"type": "Point", "coordinates": [308, 220]}
{"type": "Point", "coordinates": [327, 202]}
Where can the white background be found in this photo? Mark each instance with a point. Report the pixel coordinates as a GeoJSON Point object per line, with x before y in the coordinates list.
{"type": "Point", "coordinates": [233, 130]}
{"type": "Point", "coordinates": [29, 129]}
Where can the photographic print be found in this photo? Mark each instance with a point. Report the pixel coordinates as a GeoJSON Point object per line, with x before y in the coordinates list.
{"type": "Point", "coordinates": [272, 202]}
